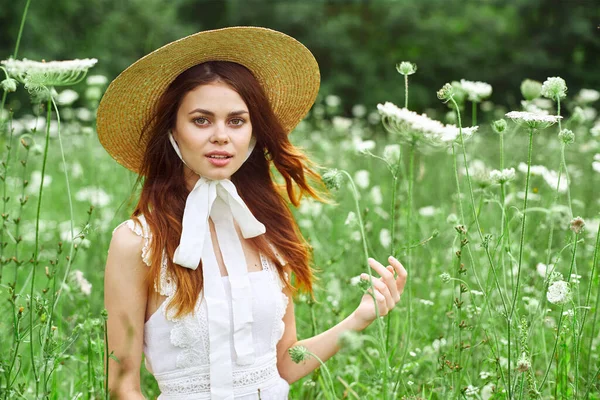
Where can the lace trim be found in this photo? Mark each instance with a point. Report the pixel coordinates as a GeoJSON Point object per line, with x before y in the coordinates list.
{"type": "Point", "coordinates": [278, 324]}
{"type": "Point", "coordinates": [197, 380]}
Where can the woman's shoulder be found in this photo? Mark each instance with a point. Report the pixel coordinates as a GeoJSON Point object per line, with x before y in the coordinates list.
{"type": "Point", "coordinates": [131, 238]}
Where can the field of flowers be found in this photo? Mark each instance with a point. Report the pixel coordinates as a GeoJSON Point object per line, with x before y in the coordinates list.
{"type": "Point", "coordinates": [493, 212]}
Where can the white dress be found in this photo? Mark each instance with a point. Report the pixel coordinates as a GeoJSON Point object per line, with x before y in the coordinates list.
{"type": "Point", "coordinates": [177, 350]}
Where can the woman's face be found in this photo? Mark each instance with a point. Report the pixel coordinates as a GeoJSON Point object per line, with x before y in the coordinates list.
{"type": "Point", "coordinates": [213, 132]}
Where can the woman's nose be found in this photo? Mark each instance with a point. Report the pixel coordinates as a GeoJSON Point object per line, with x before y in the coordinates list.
{"type": "Point", "coordinates": [220, 134]}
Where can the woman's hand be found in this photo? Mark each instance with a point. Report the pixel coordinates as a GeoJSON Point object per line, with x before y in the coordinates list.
{"type": "Point", "coordinates": [387, 291]}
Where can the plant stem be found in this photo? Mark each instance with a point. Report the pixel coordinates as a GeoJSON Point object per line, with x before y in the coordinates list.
{"type": "Point", "coordinates": [558, 326]}
{"type": "Point", "coordinates": [587, 303]}
{"type": "Point", "coordinates": [473, 113]}
{"type": "Point", "coordinates": [36, 250]}
{"type": "Point", "coordinates": [380, 322]}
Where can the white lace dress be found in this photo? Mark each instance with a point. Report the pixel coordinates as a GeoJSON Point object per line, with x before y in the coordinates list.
{"type": "Point", "coordinates": [177, 350]}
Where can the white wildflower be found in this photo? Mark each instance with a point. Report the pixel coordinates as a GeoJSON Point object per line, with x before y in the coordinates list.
{"type": "Point", "coordinates": [484, 374]}
{"type": "Point", "coordinates": [559, 293]}
{"type": "Point", "coordinates": [376, 195]}
{"type": "Point", "coordinates": [487, 391]}
{"type": "Point", "coordinates": [406, 68]}
{"type": "Point", "coordinates": [476, 293]}
{"type": "Point", "coordinates": [363, 146]}
{"type": "Point", "coordinates": [51, 73]}
{"type": "Point", "coordinates": [554, 88]}
{"type": "Point", "coordinates": [534, 170]}
{"type": "Point", "coordinates": [577, 224]}
{"type": "Point", "coordinates": [391, 153]}
{"type": "Point", "coordinates": [427, 211]}
{"type": "Point", "coordinates": [67, 97]}
{"type": "Point", "coordinates": [412, 127]}
{"type": "Point", "coordinates": [361, 178]}
{"type": "Point", "coordinates": [355, 280]}
{"type": "Point", "coordinates": [471, 390]}
{"type": "Point", "coordinates": [445, 277]}
{"type": "Point", "coordinates": [356, 236]}
{"type": "Point", "coordinates": [551, 178]}
{"type": "Point", "coordinates": [96, 80]}
{"type": "Point", "coordinates": [341, 123]}
{"type": "Point", "coordinates": [35, 181]}
{"type": "Point", "coordinates": [543, 270]}
{"type": "Point", "coordinates": [351, 219]}
{"type": "Point", "coordinates": [569, 313]}
{"type": "Point", "coordinates": [426, 302]}
{"type": "Point", "coordinates": [587, 96]}
{"type": "Point", "coordinates": [575, 278]}
{"type": "Point", "coordinates": [532, 120]}
{"type": "Point", "coordinates": [84, 285]}
{"type": "Point", "coordinates": [96, 196]}
{"type": "Point", "coordinates": [333, 100]}
{"type": "Point", "coordinates": [596, 163]}
{"type": "Point", "coordinates": [310, 207]}
{"type": "Point", "coordinates": [385, 238]}
{"type": "Point", "coordinates": [359, 110]}
{"type": "Point", "coordinates": [438, 344]}
{"type": "Point", "coordinates": [504, 176]}
{"type": "Point", "coordinates": [476, 91]}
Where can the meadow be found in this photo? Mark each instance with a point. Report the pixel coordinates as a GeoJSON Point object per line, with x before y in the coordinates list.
{"type": "Point", "coordinates": [493, 212]}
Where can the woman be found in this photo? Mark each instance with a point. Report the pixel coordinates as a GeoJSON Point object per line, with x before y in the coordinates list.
{"type": "Point", "coordinates": [199, 279]}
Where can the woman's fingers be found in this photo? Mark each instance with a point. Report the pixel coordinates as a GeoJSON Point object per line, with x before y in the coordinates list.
{"type": "Point", "coordinates": [383, 289]}
{"type": "Point", "coordinates": [402, 274]}
{"type": "Point", "coordinates": [387, 277]}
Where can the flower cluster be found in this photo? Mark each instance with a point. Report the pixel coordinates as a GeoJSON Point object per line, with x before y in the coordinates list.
{"type": "Point", "coordinates": [533, 120]}
{"type": "Point", "coordinates": [52, 73]}
{"type": "Point", "coordinates": [559, 293]}
{"type": "Point", "coordinates": [413, 127]}
{"type": "Point", "coordinates": [554, 88]}
{"type": "Point", "coordinates": [406, 68]}
{"type": "Point", "coordinates": [476, 91]}
{"type": "Point", "coordinates": [504, 176]}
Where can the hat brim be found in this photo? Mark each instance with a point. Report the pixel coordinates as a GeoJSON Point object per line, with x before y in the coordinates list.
{"type": "Point", "coordinates": [284, 67]}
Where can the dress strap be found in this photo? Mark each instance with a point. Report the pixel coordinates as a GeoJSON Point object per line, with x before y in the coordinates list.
{"type": "Point", "coordinates": [140, 228]}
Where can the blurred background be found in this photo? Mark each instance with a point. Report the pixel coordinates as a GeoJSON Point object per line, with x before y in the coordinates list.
{"type": "Point", "coordinates": [356, 42]}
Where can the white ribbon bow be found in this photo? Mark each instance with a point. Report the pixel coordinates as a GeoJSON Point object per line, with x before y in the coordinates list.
{"type": "Point", "coordinates": [219, 200]}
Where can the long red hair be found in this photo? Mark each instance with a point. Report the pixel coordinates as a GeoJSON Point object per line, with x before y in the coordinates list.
{"type": "Point", "coordinates": [164, 192]}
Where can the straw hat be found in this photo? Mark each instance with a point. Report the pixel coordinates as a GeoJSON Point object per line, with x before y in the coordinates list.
{"type": "Point", "coordinates": [286, 70]}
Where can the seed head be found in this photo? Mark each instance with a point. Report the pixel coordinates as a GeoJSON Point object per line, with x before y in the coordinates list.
{"type": "Point", "coordinates": [567, 136]}
{"type": "Point", "coordinates": [332, 179]}
{"type": "Point", "coordinates": [531, 89]}
{"type": "Point", "coordinates": [554, 88]}
{"type": "Point", "coordinates": [406, 68]}
{"type": "Point", "coordinates": [446, 92]}
{"type": "Point", "coordinates": [499, 126]}
{"type": "Point", "coordinates": [9, 85]}
{"type": "Point", "coordinates": [445, 277]}
{"type": "Point", "coordinates": [298, 354]}
{"type": "Point", "coordinates": [523, 364]}
{"type": "Point", "coordinates": [577, 225]}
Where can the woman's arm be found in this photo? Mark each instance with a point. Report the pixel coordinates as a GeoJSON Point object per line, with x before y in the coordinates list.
{"type": "Point", "coordinates": [387, 291]}
{"type": "Point", "coordinates": [125, 297]}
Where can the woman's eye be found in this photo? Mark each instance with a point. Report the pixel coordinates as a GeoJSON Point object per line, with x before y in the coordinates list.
{"type": "Point", "coordinates": [203, 121]}
{"type": "Point", "coordinates": [237, 121]}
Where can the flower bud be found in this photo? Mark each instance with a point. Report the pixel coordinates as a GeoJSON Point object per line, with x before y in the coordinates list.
{"type": "Point", "coordinates": [499, 126]}
{"type": "Point", "coordinates": [446, 92]}
{"type": "Point", "coordinates": [298, 354]}
{"type": "Point", "coordinates": [406, 68]}
{"type": "Point", "coordinates": [577, 225]}
{"type": "Point", "coordinates": [332, 179]}
{"type": "Point", "coordinates": [445, 277]}
{"type": "Point", "coordinates": [567, 136]}
{"type": "Point", "coordinates": [531, 89]}
{"type": "Point", "coordinates": [554, 88]}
